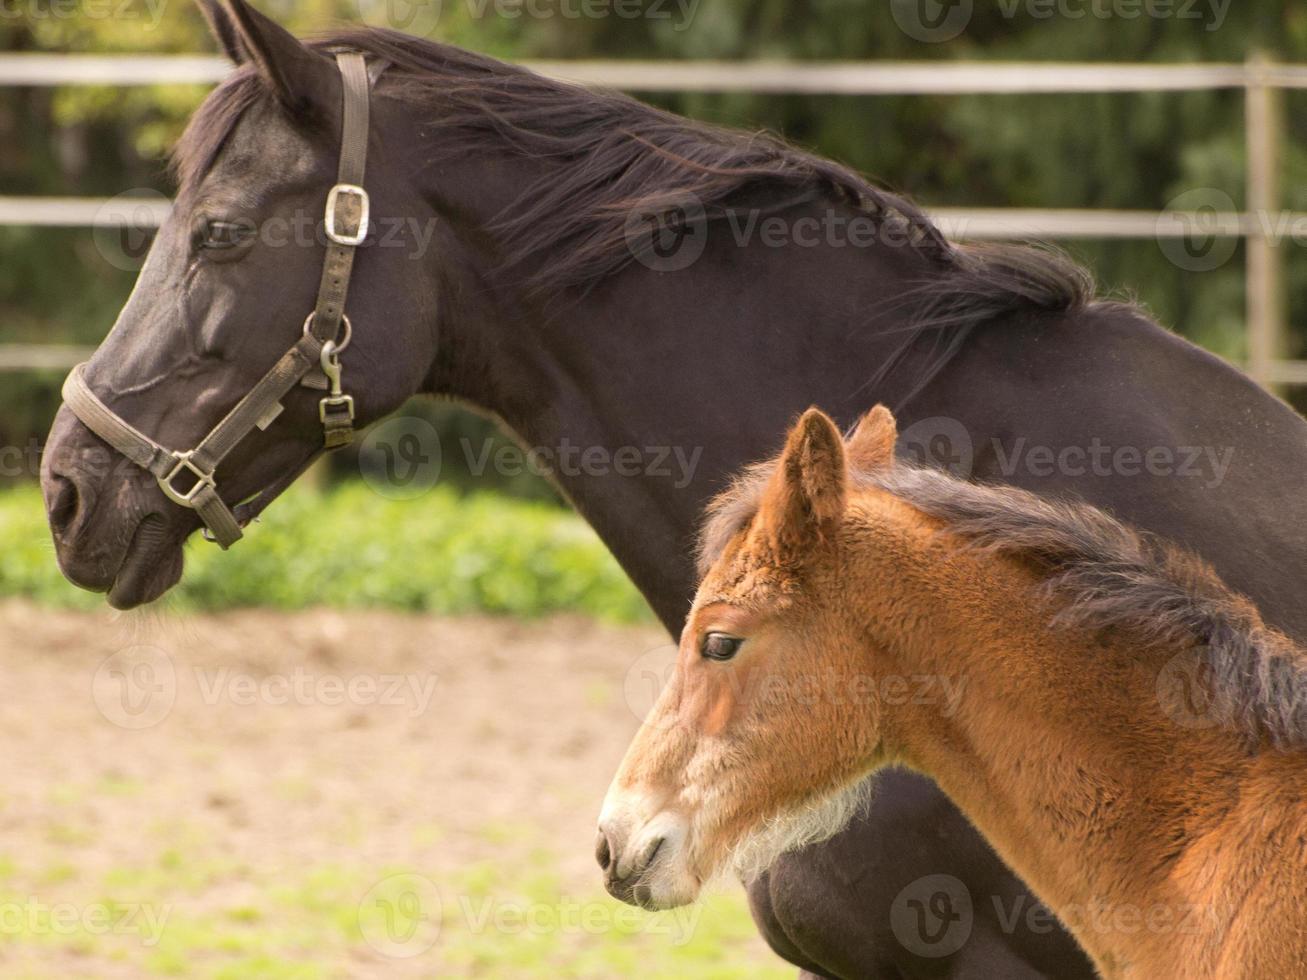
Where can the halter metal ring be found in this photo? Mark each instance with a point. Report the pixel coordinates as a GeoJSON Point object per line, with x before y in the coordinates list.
{"type": "Point", "coordinates": [202, 480]}
{"type": "Point", "coordinates": [345, 338]}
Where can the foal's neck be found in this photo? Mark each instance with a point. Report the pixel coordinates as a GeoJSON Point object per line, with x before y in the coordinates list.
{"type": "Point", "coordinates": [1060, 751]}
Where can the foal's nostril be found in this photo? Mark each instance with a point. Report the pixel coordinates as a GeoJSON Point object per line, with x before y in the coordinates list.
{"type": "Point", "coordinates": [603, 853]}
{"type": "Point", "coordinates": [61, 504]}
{"type": "Point", "coordinates": [651, 852]}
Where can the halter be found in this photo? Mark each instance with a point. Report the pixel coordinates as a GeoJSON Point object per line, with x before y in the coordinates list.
{"type": "Point", "coordinates": [326, 334]}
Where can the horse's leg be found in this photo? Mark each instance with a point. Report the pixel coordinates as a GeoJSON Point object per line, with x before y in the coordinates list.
{"type": "Point", "coordinates": [910, 890]}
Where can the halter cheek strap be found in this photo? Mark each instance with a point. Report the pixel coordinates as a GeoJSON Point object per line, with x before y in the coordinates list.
{"type": "Point", "coordinates": [326, 335]}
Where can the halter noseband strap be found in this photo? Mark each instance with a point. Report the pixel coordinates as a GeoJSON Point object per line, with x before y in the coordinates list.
{"type": "Point", "coordinates": [346, 220]}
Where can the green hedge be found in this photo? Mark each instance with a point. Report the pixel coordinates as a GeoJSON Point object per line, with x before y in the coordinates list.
{"type": "Point", "coordinates": [349, 546]}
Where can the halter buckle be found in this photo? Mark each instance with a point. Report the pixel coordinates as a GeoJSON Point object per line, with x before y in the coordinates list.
{"type": "Point", "coordinates": [335, 233]}
{"type": "Point", "coordinates": [202, 480]}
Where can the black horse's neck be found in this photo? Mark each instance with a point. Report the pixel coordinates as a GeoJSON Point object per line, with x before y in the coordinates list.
{"type": "Point", "coordinates": [669, 380]}
{"type": "Point", "coordinates": [784, 308]}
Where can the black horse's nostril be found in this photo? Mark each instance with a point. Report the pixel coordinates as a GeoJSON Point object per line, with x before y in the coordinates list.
{"type": "Point", "coordinates": [603, 853]}
{"type": "Point", "coordinates": [61, 504]}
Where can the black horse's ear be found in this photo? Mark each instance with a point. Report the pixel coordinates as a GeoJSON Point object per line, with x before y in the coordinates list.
{"type": "Point", "coordinates": [298, 76]}
{"type": "Point", "coordinates": [224, 31]}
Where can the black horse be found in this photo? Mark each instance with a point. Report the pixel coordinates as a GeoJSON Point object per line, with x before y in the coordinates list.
{"type": "Point", "coordinates": [607, 275]}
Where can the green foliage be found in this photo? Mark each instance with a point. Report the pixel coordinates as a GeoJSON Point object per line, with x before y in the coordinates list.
{"type": "Point", "coordinates": [350, 547]}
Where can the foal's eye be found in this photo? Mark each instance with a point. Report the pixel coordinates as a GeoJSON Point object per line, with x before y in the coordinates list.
{"type": "Point", "coordinates": [222, 234]}
{"type": "Point", "coordinates": [720, 646]}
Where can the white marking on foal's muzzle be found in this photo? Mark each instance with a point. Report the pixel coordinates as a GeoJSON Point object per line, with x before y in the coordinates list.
{"type": "Point", "coordinates": [650, 847]}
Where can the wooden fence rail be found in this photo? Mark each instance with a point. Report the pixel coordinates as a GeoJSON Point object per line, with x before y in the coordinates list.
{"type": "Point", "coordinates": [1259, 79]}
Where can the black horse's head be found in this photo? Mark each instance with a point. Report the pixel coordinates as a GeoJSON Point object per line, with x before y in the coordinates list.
{"type": "Point", "coordinates": [228, 283]}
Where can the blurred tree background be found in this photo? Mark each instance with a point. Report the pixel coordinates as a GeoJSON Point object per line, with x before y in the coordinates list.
{"type": "Point", "coordinates": [1079, 151]}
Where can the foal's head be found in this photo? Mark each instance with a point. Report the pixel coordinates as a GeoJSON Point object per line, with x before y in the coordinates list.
{"type": "Point", "coordinates": [765, 731]}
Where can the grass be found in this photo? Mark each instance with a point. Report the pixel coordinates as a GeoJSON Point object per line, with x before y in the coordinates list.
{"type": "Point", "coordinates": [350, 547]}
{"type": "Point", "coordinates": [485, 922]}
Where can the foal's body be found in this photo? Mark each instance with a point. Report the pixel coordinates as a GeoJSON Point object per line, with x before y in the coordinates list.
{"type": "Point", "coordinates": [1171, 844]}
{"type": "Point", "coordinates": [1168, 852]}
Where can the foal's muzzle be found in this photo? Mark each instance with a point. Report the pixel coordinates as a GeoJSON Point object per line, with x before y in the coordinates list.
{"type": "Point", "coordinates": [642, 861]}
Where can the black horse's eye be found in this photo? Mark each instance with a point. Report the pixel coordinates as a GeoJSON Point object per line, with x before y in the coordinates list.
{"type": "Point", "coordinates": [720, 646]}
{"type": "Point", "coordinates": [222, 234]}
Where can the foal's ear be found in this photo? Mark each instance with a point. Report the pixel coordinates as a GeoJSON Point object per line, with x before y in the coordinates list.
{"type": "Point", "coordinates": [871, 444]}
{"type": "Point", "coordinates": [805, 499]}
{"type": "Point", "coordinates": [299, 77]}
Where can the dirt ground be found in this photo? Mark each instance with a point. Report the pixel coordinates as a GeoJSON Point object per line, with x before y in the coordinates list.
{"type": "Point", "coordinates": [279, 787]}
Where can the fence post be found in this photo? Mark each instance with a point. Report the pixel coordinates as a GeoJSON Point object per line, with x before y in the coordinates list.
{"type": "Point", "coordinates": [1265, 280]}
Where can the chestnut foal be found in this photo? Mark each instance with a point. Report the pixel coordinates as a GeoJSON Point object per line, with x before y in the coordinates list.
{"type": "Point", "coordinates": [1169, 835]}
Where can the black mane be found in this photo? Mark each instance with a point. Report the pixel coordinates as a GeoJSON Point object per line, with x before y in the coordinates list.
{"type": "Point", "coordinates": [613, 156]}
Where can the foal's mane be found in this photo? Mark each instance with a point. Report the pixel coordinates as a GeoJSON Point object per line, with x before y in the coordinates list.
{"type": "Point", "coordinates": [1101, 574]}
{"type": "Point", "coordinates": [614, 156]}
